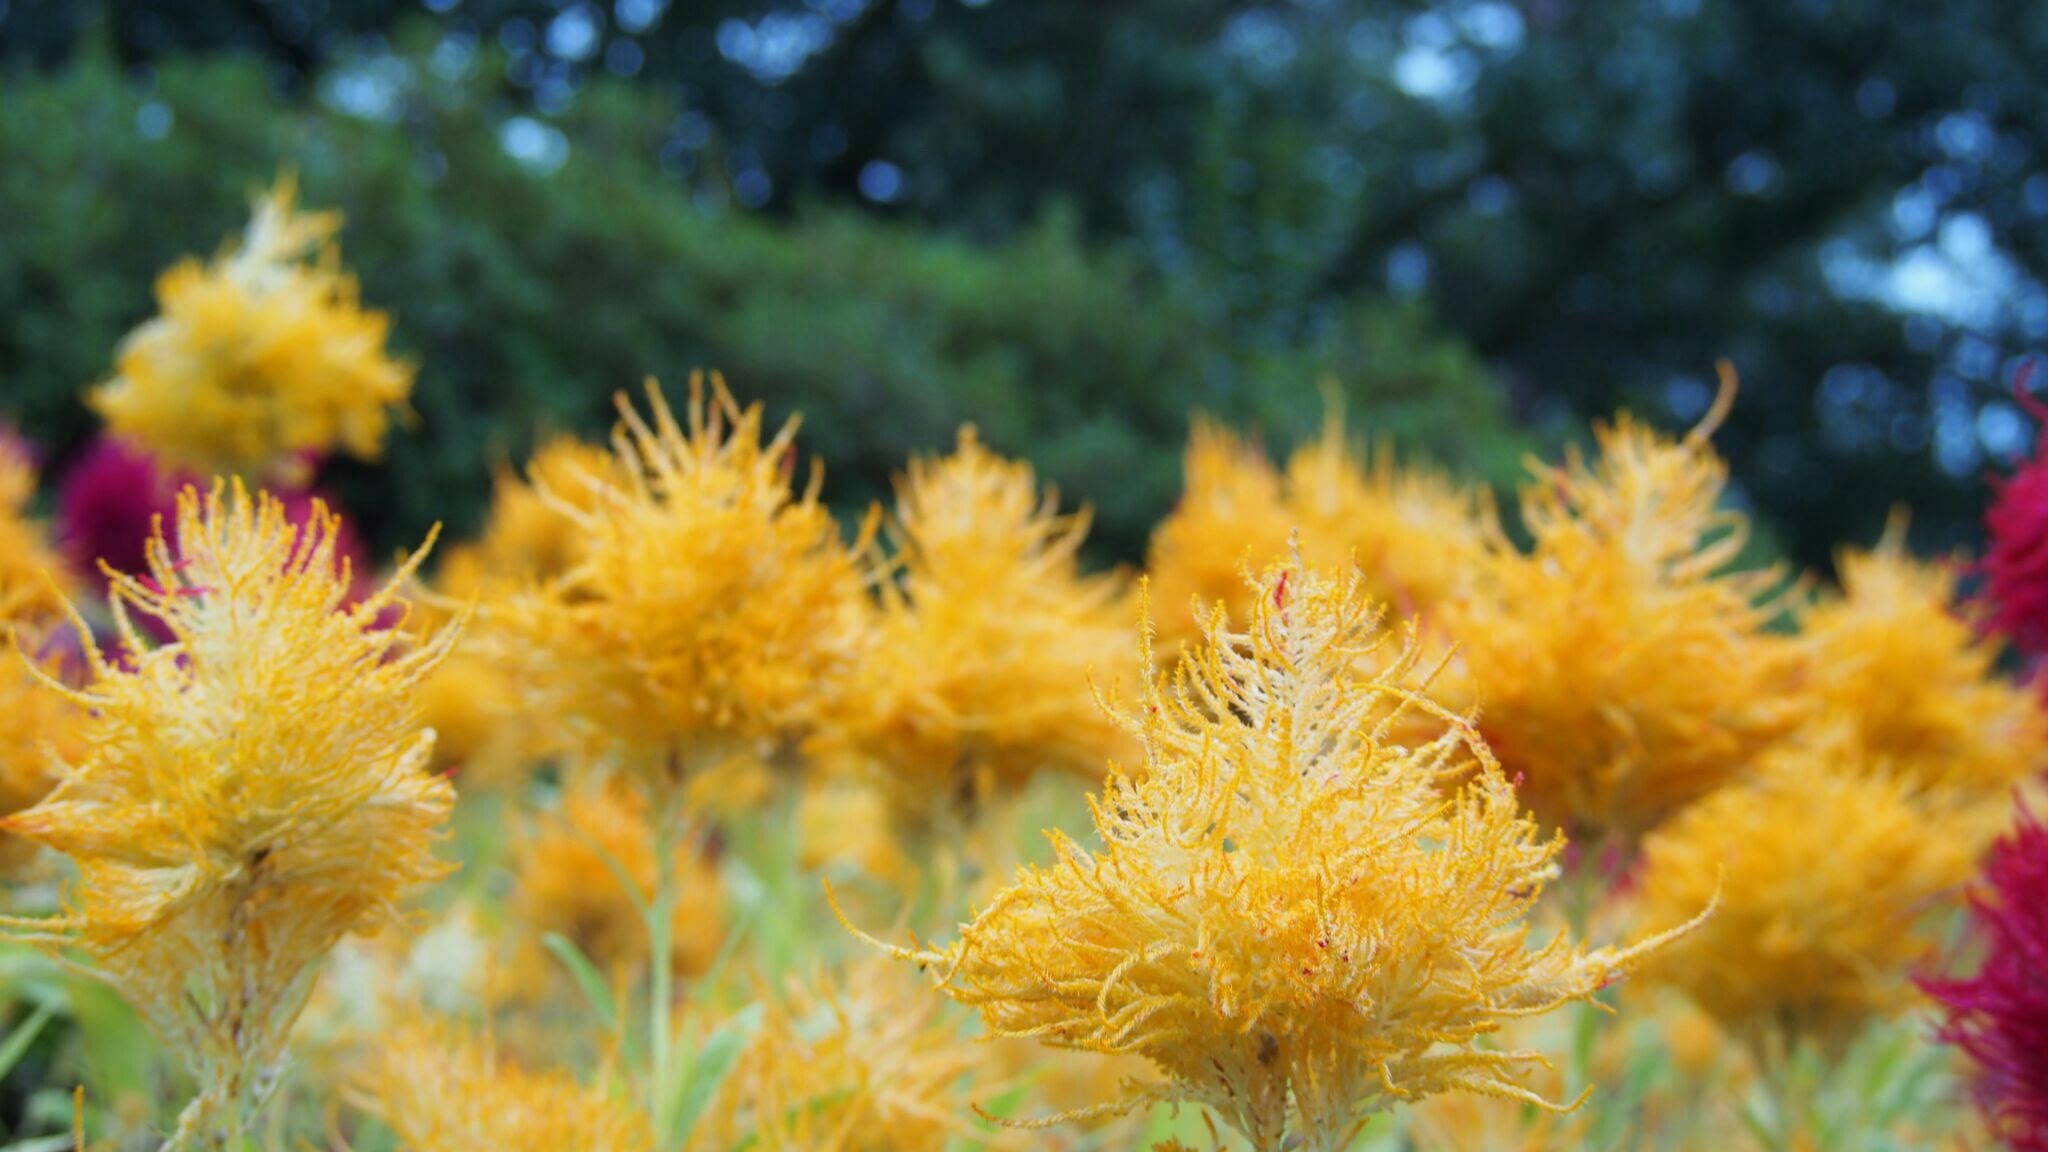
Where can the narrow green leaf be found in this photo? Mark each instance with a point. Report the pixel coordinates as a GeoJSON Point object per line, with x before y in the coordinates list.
{"type": "Point", "coordinates": [587, 978]}
{"type": "Point", "coordinates": [61, 1142]}
{"type": "Point", "coordinates": [24, 1034]}
{"type": "Point", "coordinates": [713, 1063]}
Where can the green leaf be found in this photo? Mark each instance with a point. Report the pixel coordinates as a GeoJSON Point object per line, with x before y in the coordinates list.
{"type": "Point", "coordinates": [714, 1062]}
{"type": "Point", "coordinates": [61, 1142]}
{"type": "Point", "coordinates": [24, 1034]}
{"type": "Point", "coordinates": [587, 978]}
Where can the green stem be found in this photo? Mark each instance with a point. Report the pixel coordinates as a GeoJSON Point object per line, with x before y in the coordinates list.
{"type": "Point", "coordinates": [661, 975]}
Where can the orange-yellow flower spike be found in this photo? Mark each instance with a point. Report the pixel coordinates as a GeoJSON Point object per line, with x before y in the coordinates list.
{"type": "Point", "coordinates": [1828, 877]}
{"type": "Point", "coordinates": [248, 792]}
{"type": "Point", "coordinates": [986, 651]}
{"type": "Point", "coordinates": [440, 1088]}
{"type": "Point", "coordinates": [1298, 919]}
{"type": "Point", "coordinates": [714, 605]}
{"type": "Point", "coordinates": [1625, 669]}
{"type": "Point", "coordinates": [259, 358]}
{"type": "Point", "coordinates": [1907, 685]}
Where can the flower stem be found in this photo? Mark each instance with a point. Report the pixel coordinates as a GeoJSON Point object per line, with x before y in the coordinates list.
{"type": "Point", "coordinates": [661, 974]}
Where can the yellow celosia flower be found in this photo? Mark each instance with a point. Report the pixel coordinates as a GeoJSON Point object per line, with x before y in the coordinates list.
{"type": "Point", "coordinates": [1825, 876]}
{"type": "Point", "coordinates": [1415, 534]}
{"type": "Point", "coordinates": [1231, 515]}
{"type": "Point", "coordinates": [713, 607]}
{"type": "Point", "coordinates": [985, 654]}
{"type": "Point", "coordinates": [441, 1089]}
{"type": "Point", "coordinates": [41, 727]}
{"type": "Point", "coordinates": [528, 537]}
{"type": "Point", "coordinates": [565, 880]}
{"type": "Point", "coordinates": [1297, 919]}
{"type": "Point", "coordinates": [1624, 670]}
{"type": "Point", "coordinates": [858, 1060]}
{"type": "Point", "coordinates": [848, 823]}
{"type": "Point", "coordinates": [1912, 686]}
{"type": "Point", "coordinates": [32, 576]}
{"type": "Point", "coordinates": [250, 791]}
{"type": "Point", "coordinates": [259, 357]}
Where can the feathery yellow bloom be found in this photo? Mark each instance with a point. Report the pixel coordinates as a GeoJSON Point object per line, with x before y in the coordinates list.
{"type": "Point", "coordinates": [986, 653]}
{"type": "Point", "coordinates": [259, 357]}
{"type": "Point", "coordinates": [441, 1089]}
{"type": "Point", "coordinates": [713, 607]}
{"type": "Point", "coordinates": [527, 536]}
{"type": "Point", "coordinates": [856, 1060]}
{"type": "Point", "coordinates": [250, 791]}
{"type": "Point", "coordinates": [32, 576]}
{"type": "Point", "coordinates": [1415, 534]}
{"type": "Point", "coordinates": [564, 883]}
{"type": "Point", "coordinates": [1905, 678]}
{"type": "Point", "coordinates": [41, 728]}
{"type": "Point", "coordinates": [1625, 671]}
{"type": "Point", "coordinates": [1231, 515]}
{"type": "Point", "coordinates": [1826, 878]}
{"type": "Point", "coordinates": [1299, 921]}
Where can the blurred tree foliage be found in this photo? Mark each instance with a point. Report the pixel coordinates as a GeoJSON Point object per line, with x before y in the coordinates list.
{"type": "Point", "coordinates": [531, 278]}
{"type": "Point", "coordinates": [1847, 197]}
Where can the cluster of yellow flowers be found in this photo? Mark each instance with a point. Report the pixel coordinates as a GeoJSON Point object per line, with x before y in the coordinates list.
{"type": "Point", "coordinates": [1335, 782]}
{"type": "Point", "coordinates": [258, 358]}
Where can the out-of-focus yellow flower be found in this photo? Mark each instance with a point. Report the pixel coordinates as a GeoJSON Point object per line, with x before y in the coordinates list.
{"type": "Point", "coordinates": [41, 728]}
{"type": "Point", "coordinates": [32, 576]}
{"type": "Point", "coordinates": [1230, 516]}
{"type": "Point", "coordinates": [1299, 921]}
{"type": "Point", "coordinates": [1910, 687]}
{"type": "Point", "coordinates": [1414, 534]}
{"type": "Point", "coordinates": [442, 1089]}
{"type": "Point", "coordinates": [1624, 669]}
{"type": "Point", "coordinates": [1827, 876]}
{"type": "Point", "coordinates": [986, 653]}
{"type": "Point", "coordinates": [259, 358]}
{"type": "Point", "coordinates": [564, 883]}
{"type": "Point", "coordinates": [250, 791]}
{"type": "Point", "coordinates": [858, 1060]}
{"type": "Point", "coordinates": [529, 537]}
{"type": "Point", "coordinates": [713, 607]}
{"type": "Point", "coordinates": [849, 823]}
{"type": "Point", "coordinates": [1469, 1122]}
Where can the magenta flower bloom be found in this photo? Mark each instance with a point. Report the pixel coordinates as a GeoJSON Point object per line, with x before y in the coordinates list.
{"type": "Point", "coordinates": [114, 493]}
{"type": "Point", "coordinates": [2015, 562]}
{"type": "Point", "coordinates": [2000, 1016]}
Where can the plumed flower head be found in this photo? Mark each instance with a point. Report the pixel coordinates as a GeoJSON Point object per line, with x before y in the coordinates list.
{"type": "Point", "coordinates": [1625, 670]}
{"type": "Point", "coordinates": [250, 790]}
{"type": "Point", "coordinates": [986, 651]}
{"type": "Point", "coordinates": [859, 1059]}
{"type": "Point", "coordinates": [1230, 515]}
{"type": "Point", "coordinates": [2000, 1015]}
{"type": "Point", "coordinates": [714, 603]}
{"type": "Point", "coordinates": [2016, 553]}
{"type": "Point", "coordinates": [1299, 920]}
{"type": "Point", "coordinates": [566, 880]}
{"type": "Point", "coordinates": [1827, 877]}
{"type": "Point", "coordinates": [1414, 534]}
{"type": "Point", "coordinates": [32, 577]}
{"type": "Point", "coordinates": [1902, 674]}
{"type": "Point", "coordinates": [260, 358]}
{"type": "Point", "coordinates": [440, 1088]}
{"type": "Point", "coordinates": [528, 536]}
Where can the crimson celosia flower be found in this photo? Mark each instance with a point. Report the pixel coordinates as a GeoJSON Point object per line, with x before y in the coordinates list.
{"type": "Point", "coordinates": [2015, 562]}
{"type": "Point", "coordinates": [114, 493]}
{"type": "Point", "coordinates": [2000, 1016]}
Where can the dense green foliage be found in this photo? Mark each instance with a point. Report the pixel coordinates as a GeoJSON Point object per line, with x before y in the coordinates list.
{"type": "Point", "coordinates": [528, 293]}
